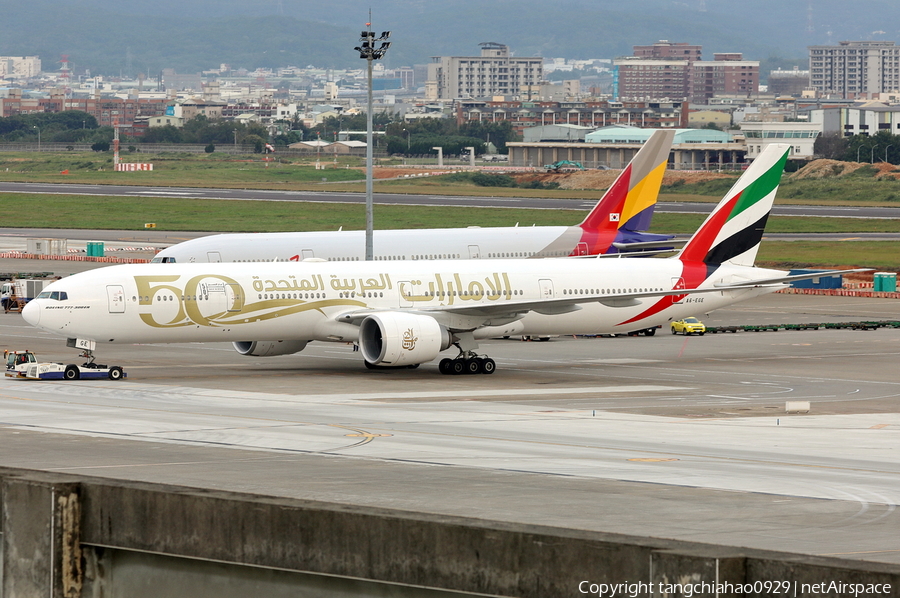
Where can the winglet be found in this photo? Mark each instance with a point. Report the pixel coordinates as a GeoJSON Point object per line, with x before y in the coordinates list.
{"type": "Point", "coordinates": [734, 229]}
{"type": "Point", "coordinates": [629, 202]}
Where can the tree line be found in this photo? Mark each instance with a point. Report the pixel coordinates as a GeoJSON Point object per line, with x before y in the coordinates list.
{"type": "Point", "coordinates": [883, 146]}
{"type": "Point", "coordinates": [418, 137]}
{"type": "Point", "coordinates": [413, 138]}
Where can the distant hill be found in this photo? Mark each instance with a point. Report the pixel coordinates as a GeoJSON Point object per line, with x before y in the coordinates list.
{"type": "Point", "coordinates": [130, 36]}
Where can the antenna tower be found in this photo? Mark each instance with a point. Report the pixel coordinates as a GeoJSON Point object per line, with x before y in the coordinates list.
{"type": "Point", "coordinates": [65, 73]}
{"type": "Point", "coordinates": [116, 144]}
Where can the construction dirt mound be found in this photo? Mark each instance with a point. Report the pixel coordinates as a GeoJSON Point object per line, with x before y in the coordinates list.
{"type": "Point", "coordinates": [602, 179]}
{"type": "Point", "coordinates": [825, 169]}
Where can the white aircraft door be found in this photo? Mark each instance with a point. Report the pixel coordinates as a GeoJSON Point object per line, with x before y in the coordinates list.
{"type": "Point", "coordinates": [215, 302]}
{"type": "Point", "coordinates": [307, 254]}
{"type": "Point", "coordinates": [405, 289]}
{"type": "Point", "coordinates": [234, 297]}
{"type": "Point", "coordinates": [116, 295]}
{"type": "Point", "coordinates": [474, 252]}
{"type": "Point", "coordinates": [546, 288]}
{"type": "Point", "coordinates": [581, 249]}
{"type": "Point", "coordinates": [214, 257]}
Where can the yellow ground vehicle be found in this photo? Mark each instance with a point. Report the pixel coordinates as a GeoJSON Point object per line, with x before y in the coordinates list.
{"type": "Point", "coordinates": [688, 326]}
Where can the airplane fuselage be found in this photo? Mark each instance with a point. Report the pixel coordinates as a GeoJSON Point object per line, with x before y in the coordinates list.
{"type": "Point", "coordinates": [403, 244]}
{"type": "Point", "coordinates": [305, 301]}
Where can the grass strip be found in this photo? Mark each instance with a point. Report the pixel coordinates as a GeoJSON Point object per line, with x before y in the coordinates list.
{"type": "Point", "coordinates": [882, 255]}
{"type": "Point", "coordinates": [179, 214]}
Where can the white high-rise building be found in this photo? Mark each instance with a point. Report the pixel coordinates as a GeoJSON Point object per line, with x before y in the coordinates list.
{"type": "Point", "coordinates": [19, 67]}
{"type": "Point", "coordinates": [494, 73]}
{"type": "Point", "coordinates": [855, 69]}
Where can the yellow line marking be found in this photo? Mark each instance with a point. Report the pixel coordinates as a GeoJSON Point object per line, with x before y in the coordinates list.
{"type": "Point", "coordinates": [878, 426]}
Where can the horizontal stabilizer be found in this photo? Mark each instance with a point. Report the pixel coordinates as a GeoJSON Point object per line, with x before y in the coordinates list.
{"type": "Point", "coordinates": [671, 243]}
{"type": "Point", "coordinates": [787, 279]}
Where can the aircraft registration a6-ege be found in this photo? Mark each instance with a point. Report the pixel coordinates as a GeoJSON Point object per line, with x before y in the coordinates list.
{"type": "Point", "coordinates": [613, 226]}
{"type": "Point", "coordinates": [405, 313]}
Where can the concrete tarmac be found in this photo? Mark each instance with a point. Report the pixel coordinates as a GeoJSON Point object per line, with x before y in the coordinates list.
{"type": "Point", "coordinates": [666, 436]}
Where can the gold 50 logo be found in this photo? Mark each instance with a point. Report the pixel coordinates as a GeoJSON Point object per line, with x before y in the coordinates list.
{"type": "Point", "coordinates": [205, 300]}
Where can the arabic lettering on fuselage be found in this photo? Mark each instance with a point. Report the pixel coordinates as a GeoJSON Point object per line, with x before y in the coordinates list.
{"type": "Point", "coordinates": [445, 288]}
{"type": "Point", "coordinates": [360, 285]}
{"type": "Point", "coordinates": [442, 289]}
{"type": "Point", "coordinates": [313, 283]}
{"type": "Point", "coordinates": [494, 287]}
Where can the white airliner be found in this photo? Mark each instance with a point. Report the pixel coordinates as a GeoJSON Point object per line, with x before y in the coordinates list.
{"type": "Point", "coordinates": [612, 226]}
{"type": "Point", "coordinates": [405, 313]}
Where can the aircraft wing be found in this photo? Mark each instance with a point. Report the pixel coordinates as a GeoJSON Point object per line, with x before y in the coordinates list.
{"type": "Point", "coordinates": [475, 316]}
{"type": "Point", "coordinates": [560, 305]}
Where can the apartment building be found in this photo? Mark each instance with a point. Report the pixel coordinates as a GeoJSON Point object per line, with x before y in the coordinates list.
{"type": "Point", "coordinates": [107, 111]}
{"type": "Point", "coordinates": [676, 71]}
{"type": "Point", "coordinates": [788, 83]}
{"type": "Point", "coordinates": [726, 74]}
{"type": "Point", "coordinates": [855, 69]}
{"type": "Point", "coordinates": [19, 67]}
{"type": "Point", "coordinates": [495, 73]}
{"type": "Point", "coordinates": [664, 49]}
{"type": "Point", "coordinates": [651, 78]}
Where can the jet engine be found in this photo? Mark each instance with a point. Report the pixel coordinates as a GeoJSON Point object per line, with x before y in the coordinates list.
{"type": "Point", "coordinates": [268, 348]}
{"type": "Point", "coordinates": [401, 339]}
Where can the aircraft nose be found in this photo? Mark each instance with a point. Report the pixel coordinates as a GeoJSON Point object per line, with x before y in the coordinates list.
{"type": "Point", "coordinates": [32, 313]}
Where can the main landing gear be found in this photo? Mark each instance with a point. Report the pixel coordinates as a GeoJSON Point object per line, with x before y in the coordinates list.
{"type": "Point", "coordinates": [467, 364]}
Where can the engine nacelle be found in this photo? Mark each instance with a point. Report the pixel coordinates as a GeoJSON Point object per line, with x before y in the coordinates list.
{"type": "Point", "coordinates": [268, 348]}
{"type": "Point", "coordinates": [400, 339]}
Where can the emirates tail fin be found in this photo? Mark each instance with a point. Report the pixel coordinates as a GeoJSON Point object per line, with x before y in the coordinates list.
{"type": "Point", "coordinates": [734, 229]}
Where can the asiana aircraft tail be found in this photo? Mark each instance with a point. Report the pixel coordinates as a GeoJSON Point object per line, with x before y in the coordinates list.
{"type": "Point", "coordinates": [406, 314]}
{"type": "Point", "coordinates": [616, 224]}
{"type": "Point", "coordinates": [626, 209]}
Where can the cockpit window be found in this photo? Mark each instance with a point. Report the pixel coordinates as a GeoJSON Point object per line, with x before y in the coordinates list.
{"type": "Point", "coordinates": [162, 260]}
{"type": "Point", "coordinates": [55, 295]}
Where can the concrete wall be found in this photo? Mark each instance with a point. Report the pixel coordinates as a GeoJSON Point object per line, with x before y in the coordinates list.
{"type": "Point", "coordinates": [69, 536]}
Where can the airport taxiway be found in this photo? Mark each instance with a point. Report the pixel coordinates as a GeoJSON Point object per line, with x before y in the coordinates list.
{"type": "Point", "coordinates": [666, 436]}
